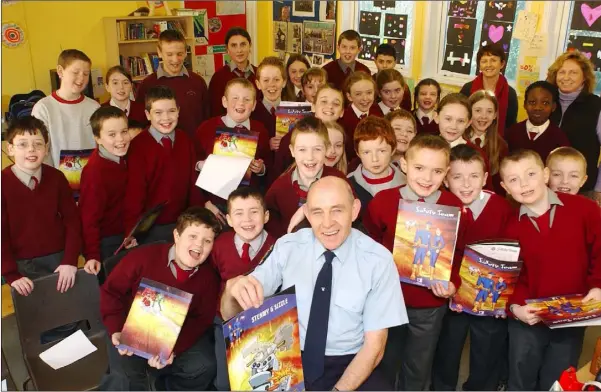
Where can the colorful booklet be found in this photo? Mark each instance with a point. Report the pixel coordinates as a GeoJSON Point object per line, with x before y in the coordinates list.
{"type": "Point", "coordinates": [567, 311]}
{"type": "Point", "coordinates": [287, 113]}
{"type": "Point", "coordinates": [230, 143]}
{"type": "Point", "coordinates": [424, 242]}
{"type": "Point", "coordinates": [155, 320]}
{"type": "Point", "coordinates": [71, 163]}
{"type": "Point", "coordinates": [489, 272]}
{"type": "Point", "coordinates": [263, 346]}
{"type": "Point", "coordinates": [144, 224]}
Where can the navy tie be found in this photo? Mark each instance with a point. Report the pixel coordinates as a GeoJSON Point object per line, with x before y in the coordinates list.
{"type": "Point", "coordinates": [317, 328]}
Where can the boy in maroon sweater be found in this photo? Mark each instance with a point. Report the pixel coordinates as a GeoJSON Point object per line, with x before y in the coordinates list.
{"type": "Point", "coordinates": [567, 170]}
{"type": "Point", "coordinates": [560, 244]}
{"type": "Point", "coordinates": [239, 100]}
{"type": "Point", "coordinates": [237, 44]}
{"type": "Point", "coordinates": [238, 252]}
{"type": "Point", "coordinates": [425, 163]}
{"type": "Point", "coordinates": [181, 264]}
{"type": "Point", "coordinates": [41, 230]}
{"type": "Point", "coordinates": [102, 190]}
{"type": "Point", "coordinates": [190, 89]}
{"type": "Point", "coordinates": [487, 215]}
{"type": "Point", "coordinates": [537, 132]}
{"type": "Point", "coordinates": [349, 47]}
{"type": "Point", "coordinates": [161, 165]}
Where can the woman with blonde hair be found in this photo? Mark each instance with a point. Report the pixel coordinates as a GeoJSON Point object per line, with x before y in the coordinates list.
{"type": "Point", "coordinates": [579, 112]}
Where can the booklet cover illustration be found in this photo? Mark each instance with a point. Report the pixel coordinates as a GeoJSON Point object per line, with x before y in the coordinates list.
{"type": "Point", "coordinates": [143, 225]}
{"type": "Point", "coordinates": [287, 113]}
{"type": "Point", "coordinates": [263, 346]}
{"type": "Point", "coordinates": [567, 311]}
{"type": "Point", "coordinates": [155, 320]}
{"type": "Point", "coordinates": [71, 163]}
{"type": "Point", "coordinates": [229, 142]}
{"type": "Point", "coordinates": [424, 242]}
{"type": "Point", "coordinates": [489, 272]}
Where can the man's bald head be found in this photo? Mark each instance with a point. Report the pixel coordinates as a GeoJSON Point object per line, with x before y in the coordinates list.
{"type": "Point", "coordinates": [331, 209]}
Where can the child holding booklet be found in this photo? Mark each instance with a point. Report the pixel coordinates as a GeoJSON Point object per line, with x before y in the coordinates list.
{"type": "Point", "coordinates": [567, 170]}
{"type": "Point", "coordinates": [486, 214]}
{"type": "Point", "coordinates": [426, 164]}
{"type": "Point", "coordinates": [551, 228]}
{"type": "Point", "coordinates": [309, 143]}
{"type": "Point", "coordinates": [238, 252]}
{"type": "Point", "coordinates": [179, 264]}
{"type": "Point", "coordinates": [239, 101]}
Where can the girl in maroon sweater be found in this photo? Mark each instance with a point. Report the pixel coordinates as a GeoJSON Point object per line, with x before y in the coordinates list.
{"type": "Point", "coordinates": [119, 85]}
{"type": "Point", "coordinates": [426, 97]}
{"type": "Point", "coordinates": [288, 193]}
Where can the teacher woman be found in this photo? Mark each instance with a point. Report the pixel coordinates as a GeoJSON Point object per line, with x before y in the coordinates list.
{"type": "Point", "coordinates": [578, 113]}
{"type": "Point", "coordinates": [491, 60]}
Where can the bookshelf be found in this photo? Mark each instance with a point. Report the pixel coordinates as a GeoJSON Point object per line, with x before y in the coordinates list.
{"type": "Point", "coordinates": [133, 40]}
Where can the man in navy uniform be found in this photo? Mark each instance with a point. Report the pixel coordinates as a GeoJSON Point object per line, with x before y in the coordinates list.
{"type": "Point", "coordinates": [347, 290]}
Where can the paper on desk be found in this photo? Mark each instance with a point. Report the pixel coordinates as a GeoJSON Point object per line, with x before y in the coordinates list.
{"type": "Point", "coordinates": [222, 174]}
{"type": "Point", "coordinates": [70, 350]}
{"type": "Point", "coordinates": [4, 385]}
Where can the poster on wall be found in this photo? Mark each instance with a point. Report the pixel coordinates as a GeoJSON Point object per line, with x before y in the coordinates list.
{"type": "Point", "coordinates": [395, 26]}
{"type": "Point", "coordinates": [230, 7]}
{"type": "Point", "coordinates": [281, 11]}
{"type": "Point", "coordinates": [497, 33]}
{"type": "Point", "coordinates": [463, 9]}
{"type": "Point", "coordinates": [295, 37]}
{"type": "Point", "coordinates": [370, 22]}
{"type": "Point", "coordinates": [586, 16]}
{"type": "Point", "coordinates": [461, 31]}
{"type": "Point", "coordinates": [500, 10]}
{"type": "Point", "coordinates": [327, 10]}
{"type": "Point", "coordinates": [384, 4]}
{"type": "Point", "coordinates": [201, 24]}
{"type": "Point", "coordinates": [280, 35]}
{"type": "Point", "coordinates": [399, 46]}
{"type": "Point", "coordinates": [304, 8]}
{"type": "Point", "coordinates": [588, 46]}
{"type": "Point", "coordinates": [319, 37]}
{"type": "Point", "coordinates": [369, 46]}
{"type": "Point", "coordinates": [458, 59]}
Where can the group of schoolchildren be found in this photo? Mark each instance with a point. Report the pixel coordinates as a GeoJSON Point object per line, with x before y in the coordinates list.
{"type": "Point", "coordinates": [446, 151]}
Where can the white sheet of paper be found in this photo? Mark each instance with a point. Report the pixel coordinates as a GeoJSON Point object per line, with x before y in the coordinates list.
{"type": "Point", "coordinates": [525, 26]}
{"type": "Point", "coordinates": [537, 47]}
{"type": "Point", "coordinates": [585, 323]}
{"type": "Point", "coordinates": [70, 350]}
{"type": "Point", "coordinates": [222, 174]}
{"type": "Point", "coordinates": [4, 385]}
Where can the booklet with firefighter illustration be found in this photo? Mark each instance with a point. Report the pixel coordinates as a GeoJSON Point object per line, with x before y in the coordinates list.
{"type": "Point", "coordinates": [287, 113]}
{"type": "Point", "coordinates": [263, 346]}
{"type": "Point", "coordinates": [489, 272]}
{"type": "Point", "coordinates": [567, 311]}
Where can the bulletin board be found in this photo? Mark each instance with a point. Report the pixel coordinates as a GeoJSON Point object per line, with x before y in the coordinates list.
{"type": "Point", "coordinates": [210, 27]}
{"type": "Point", "coordinates": [307, 27]}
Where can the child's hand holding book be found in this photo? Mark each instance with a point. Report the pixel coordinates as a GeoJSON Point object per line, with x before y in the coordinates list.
{"type": "Point", "coordinates": [526, 314]}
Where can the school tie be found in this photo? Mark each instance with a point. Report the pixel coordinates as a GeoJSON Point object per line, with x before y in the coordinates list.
{"type": "Point", "coordinates": [478, 142]}
{"type": "Point", "coordinates": [426, 120]}
{"type": "Point", "coordinates": [167, 144]}
{"type": "Point", "coordinates": [272, 111]}
{"type": "Point", "coordinates": [240, 128]}
{"type": "Point", "coordinates": [246, 252]}
{"type": "Point", "coordinates": [361, 117]}
{"type": "Point", "coordinates": [181, 275]}
{"type": "Point", "coordinates": [348, 71]}
{"type": "Point", "coordinates": [421, 199]}
{"type": "Point", "coordinates": [122, 161]}
{"type": "Point", "coordinates": [33, 183]}
{"type": "Point", "coordinates": [300, 97]}
{"type": "Point", "coordinates": [238, 73]}
{"type": "Point", "coordinates": [532, 135]}
{"type": "Point", "coordinates": [317, 328]}
{"type": "Point", "coordinates": [469, 215]}
{"type": "Point", "coordinates": [126, 112]}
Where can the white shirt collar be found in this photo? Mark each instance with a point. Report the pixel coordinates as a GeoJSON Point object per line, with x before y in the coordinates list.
{"type": "Point", "coordinates": [385, 109]}
{"type": "Point", "coordinates": [421, 114]}
{"type": "Point", "coordinates": [358, 112]}
{"type": "Point", "coordinates": [457, 142]}
{"type": "Point", "coordinates": [227, 120]}
{"type": "Point", "coordinates": [537, 129]}
{"type": "Point", "coordinates": [127, 107]}
{"type": "Point", "coordinates": [481, 137]}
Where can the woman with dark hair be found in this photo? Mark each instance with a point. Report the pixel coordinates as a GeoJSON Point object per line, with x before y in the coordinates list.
{"type": "Point", "coordinates": [491, 60]}
{"type": "Point", "coordinates": [579, 112]}
{"type": "Point", "coordinates": [296, 66]}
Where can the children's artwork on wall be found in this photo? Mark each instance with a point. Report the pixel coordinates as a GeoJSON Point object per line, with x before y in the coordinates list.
{"type": "Point", "coordinates": [281, 11]}
{"type": "Point", "coordinates": [370, 22]}
{"type": "Point", "coordinates": [206, 64]}
{"type": "Point", "coordinates": [201, 24]}
{"type": "Point", "coordinates": [215, 25]}
{"type": "Point", "coordinates": [458, 59]}
{"type": "Point", "coordinates": [280, 34]}
{"type": "Point", "coordinates": [588, 46]}
{"type": "Point", "coordinates": [319, 37]}
{"type": "Point", "coordinates": [395, 26]}
{"type": "Point", "coordinates": [461, 31]}
{"type": "Point", "coordinates": [463, 9]}
{"type": "Point", "coordinates": [384, 4]}
{"type": "Point", "coordinates": [317, 60]}
{"type": "Point", "coordinates": [497, 33]}
{"type": "Point", "coordinates": [500, 10]}
{"type": "Point", "coordinates": [525, 26]}
{"type": "Point", "coordinates": [295, 36]}
{"type": "Point", "coordinates": [327, 10]}
{"type": "Point", "coordinates": [369, 45]}
{"type": "Point", "coordinates": [586, 16]}
{"type": "Point", "coordinates": [399, 46]}
{"type": "Point", "coordinates": [303, 8]}
{"type": "Point", "coordinates": [230, 7]}
{"type": "Point", "coordinates": [12, 35]}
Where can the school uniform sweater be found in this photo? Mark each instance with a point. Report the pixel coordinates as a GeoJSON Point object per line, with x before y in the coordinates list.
{"type": "Point", "coordinates": [151, 262]}
{"type": "Point", "coordinates": [154, 176]}
{"type": "Point", "coordinates": [217, 87]}
{"type": "Point", "coordinates": [336, 76]}
{"type": "Point", "coordinates": [380, 222]}
{"type": "Point", "coordinates": [492, 221]}
{"type": "Point", "coordinates": [135, 111]}
{"type": "Point", "coordinates": [191, 94]}
{"type": "Point", "coordinates": [101, 198]}
{"type": "Point", "coordinates": [282, 201]}
{"type": "Point", "coordinates": [366, 188]}
{"type": "Point", "coordinates": [68, 124]}
{"type": "Point", "coordinates": [38, 222]}
{"type": "Point", "coordinates": [430, 128]}
{"type": "Point", "coordinates": [349, 121]}
{"type": "Point", "coordinates": [204, 140]}
{"type": "Point", "coordinates": [563, 259]}
{"type": "Point", "coordinates": [282, 159]}
{"type": "Point", "coordinates": [553, 137]}
{"type": "Point", "coordinates": [262, 115]}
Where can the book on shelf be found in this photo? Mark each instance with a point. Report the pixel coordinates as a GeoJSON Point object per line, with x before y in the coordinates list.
{"type": "Point", "coordinates": [186, 12]}
{"type": "Point", "coordinates": [143, 65]}
{"type": "Point", "coordinates": [146, 31]}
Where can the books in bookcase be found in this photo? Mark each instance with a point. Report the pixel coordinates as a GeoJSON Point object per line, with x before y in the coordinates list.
{"type": "Point", "coordinates": [263, 346]}
{"type": "Point", "coordinates": [155, 320]}
{"type": "Point", "coordinates": [129, 31]}
{"type": "Point", "coordinates": [489, 272]}
{"type": "Point", "coordinates": [287, 113]}
{"type": "Point", "coordinates": [567, 311]}
{"type": "Point", "coordinates": [232, 143]}
{"type": "Point", "coordinates": [424, 242]}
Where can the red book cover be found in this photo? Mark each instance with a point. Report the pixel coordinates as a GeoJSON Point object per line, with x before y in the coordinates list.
{"type": "Point", "coordinates": [567, 311]}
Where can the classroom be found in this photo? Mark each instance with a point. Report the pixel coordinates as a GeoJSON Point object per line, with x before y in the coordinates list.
{"type": "Point", "coordinates": [434, 165]}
